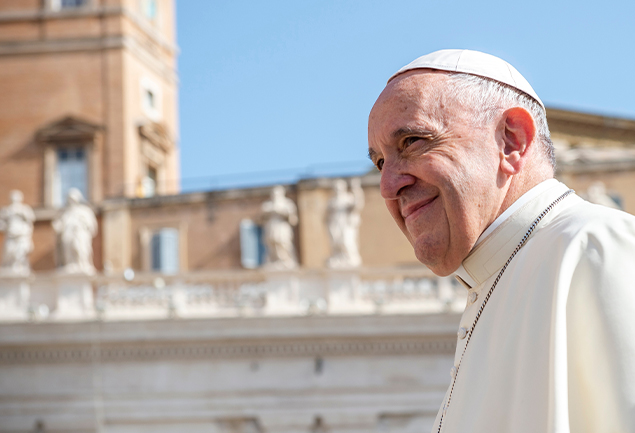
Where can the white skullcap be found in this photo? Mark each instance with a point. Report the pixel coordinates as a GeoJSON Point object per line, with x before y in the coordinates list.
{"type": "Point", "coordinates": [474, 63]}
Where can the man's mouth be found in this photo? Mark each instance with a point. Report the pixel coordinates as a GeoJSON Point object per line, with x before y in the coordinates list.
{"type": "Point", "coordinates": [415, 208]}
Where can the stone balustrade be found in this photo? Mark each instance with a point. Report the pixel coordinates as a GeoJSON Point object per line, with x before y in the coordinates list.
{"type": "Point", "coordinates": [150, 296]}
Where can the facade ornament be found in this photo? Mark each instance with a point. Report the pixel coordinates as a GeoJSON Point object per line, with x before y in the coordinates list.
{"type": "Point", "coordinates": [76, 227]}
{"type": "Point", "coordinates": [343, 222]}
{"type": "Point", "coordinates": [279, 215]}
{"type": "Point", "coordinates": [596, 193]}
{"type": "Point", "coordinates": [16, 221]}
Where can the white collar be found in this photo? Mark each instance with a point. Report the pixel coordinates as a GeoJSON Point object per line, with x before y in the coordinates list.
{"type": "Point", "coordinates": [465, 277]}
{"type": "Point", "coordinates": [525, 198]}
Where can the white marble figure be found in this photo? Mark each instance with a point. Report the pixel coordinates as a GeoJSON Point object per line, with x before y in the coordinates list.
{"type": "Point", "coordinates": [597, 194]}
{"type": "Point", "coordinates": [76, 227]}
{"type": "Point", "coordinates": [343, 223]}
{"type": "Point", "coordinates": [16, 221]}
{"type": "Point", "coordinates": [279, 216]}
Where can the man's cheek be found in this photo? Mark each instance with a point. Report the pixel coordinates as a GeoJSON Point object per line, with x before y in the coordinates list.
{"type": "Point", "coordinates": [393, 208]}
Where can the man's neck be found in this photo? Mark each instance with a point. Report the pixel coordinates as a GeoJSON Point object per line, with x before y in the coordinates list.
{"type": "Point", "coordinates": [520, 184]}
{"type": "Point", "coordinates": [530, 194]}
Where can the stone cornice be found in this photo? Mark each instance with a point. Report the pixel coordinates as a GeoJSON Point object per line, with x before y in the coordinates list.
{"type": "Point", "coordinates": [368, 180]}
{"type": "Point", "coordinates": [189, 198]}
{"type": "Point", "coordinates": [38, 46]}
{"type": "Point", "coordinates": [152, 351]}
{"type": "Point", "coordinates": [88, 12]}
{"type": "Point", "coordinates": [220, 330]}
{"type": "Point", "coordinates": [577, 124]}
{"type": "Point", "coordinates": [371, 178]}
{"type": "Point", "coordinates": [90, 44]}
{"type": "Point", "coordinates": [45, 13]}
{"type": "Point", "coordinates": [597, 167]}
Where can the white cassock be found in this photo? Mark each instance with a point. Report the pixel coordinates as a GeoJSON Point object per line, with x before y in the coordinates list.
{"type": "Point", "coordinates": [553, 350]}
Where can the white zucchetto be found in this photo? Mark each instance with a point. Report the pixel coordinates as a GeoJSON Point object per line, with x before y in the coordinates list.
{"type": "Point", "coordinates": [474, 63]}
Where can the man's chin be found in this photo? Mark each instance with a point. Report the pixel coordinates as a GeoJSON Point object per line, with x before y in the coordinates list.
{"type": "Point", "coordinates": [435, 261]}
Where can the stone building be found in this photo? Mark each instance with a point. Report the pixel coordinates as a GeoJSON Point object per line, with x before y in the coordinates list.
{"type": "Point", "coordinates": [178, 331]}
{"type": "Point", "coordinates": [88, 101]}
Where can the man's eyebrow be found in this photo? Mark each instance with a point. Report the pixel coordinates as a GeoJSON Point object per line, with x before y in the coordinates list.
{"type": "Point", "coordinates": [401, 132]}
{"type": "Point", "coordinates": [371, 154]}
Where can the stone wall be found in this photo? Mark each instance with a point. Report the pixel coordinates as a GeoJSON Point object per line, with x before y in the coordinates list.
{"type": "Point", "coordinates": [365, 374]}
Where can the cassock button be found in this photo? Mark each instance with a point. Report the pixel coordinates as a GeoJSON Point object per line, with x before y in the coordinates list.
{"type": "Point", "coordinates": [473, 297]}
{"type": "Point", "coordinates": [462, 333]}
{"type": "Point", "coordinates": [453, 372]}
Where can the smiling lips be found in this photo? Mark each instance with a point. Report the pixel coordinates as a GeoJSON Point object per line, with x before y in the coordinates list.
{"type": "Point", "coordinates": [413, 208]}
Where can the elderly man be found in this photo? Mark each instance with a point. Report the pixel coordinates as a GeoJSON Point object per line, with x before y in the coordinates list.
{"type": "Point", "coordinates": [546, 341]}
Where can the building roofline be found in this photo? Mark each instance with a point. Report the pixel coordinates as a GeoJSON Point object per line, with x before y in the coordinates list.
{"type": "Point", "coordinates": [578, 123]}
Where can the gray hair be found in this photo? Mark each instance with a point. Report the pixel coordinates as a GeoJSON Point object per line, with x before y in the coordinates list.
{"type": "Point", "coordinates": [488, 97]}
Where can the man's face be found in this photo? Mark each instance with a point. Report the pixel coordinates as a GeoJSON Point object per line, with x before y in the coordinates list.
{"type": "Point", "coordinates": [439, 167]}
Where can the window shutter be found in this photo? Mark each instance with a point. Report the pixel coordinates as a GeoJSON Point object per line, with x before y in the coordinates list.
{"type": "Point", "coordinates": [165, 251]}
{"type": "Point", "coordinates": [155, 248]}
{"type": "Point", "coordinates": [251, 247]}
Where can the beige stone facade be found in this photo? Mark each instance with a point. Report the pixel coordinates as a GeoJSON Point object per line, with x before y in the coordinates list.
{"type": "Point", "coordinates": [99, 78]}
{"type": "Point", "coordinates": [208, 225]}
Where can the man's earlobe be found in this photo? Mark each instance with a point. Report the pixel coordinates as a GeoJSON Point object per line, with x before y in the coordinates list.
{"type": "Point", "coordinates": [519, 131]}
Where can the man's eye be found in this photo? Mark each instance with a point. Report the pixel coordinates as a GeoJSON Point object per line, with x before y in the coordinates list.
{"type": "Point", "coordinates": [380, 164]}
{"type": "Point", "coordinates": [409, 140]}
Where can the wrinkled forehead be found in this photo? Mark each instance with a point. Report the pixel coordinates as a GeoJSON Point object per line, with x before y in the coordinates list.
{"type": "Point", "coordinates": [421, 92]}
{"type": "Point", "coordinates": [421, 85]}
{"type": "Point", "coordinates": [418, 82]}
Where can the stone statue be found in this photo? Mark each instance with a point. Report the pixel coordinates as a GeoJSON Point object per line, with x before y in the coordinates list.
{"type": "Point", "coordinates": [597, 194]}
{"type": "Point", "coordinates": [16, 221]}
{"type": "Point", "coordinates": [343, 223]}
{"type": "Point", "coordinates": [76, 227]}
{"type": "Point", "coordinates": [279, 217]}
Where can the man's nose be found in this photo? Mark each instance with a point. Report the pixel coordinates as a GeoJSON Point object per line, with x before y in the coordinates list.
{"type": "Point", "coordinates": [393, 180]}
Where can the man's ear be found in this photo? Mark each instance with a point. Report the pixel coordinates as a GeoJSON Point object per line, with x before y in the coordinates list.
{"type": "Point", "coordinates": [518, 132]}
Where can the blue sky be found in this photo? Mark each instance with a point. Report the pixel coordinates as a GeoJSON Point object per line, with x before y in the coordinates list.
{"type": "Point", "coordinates": [272, 91]}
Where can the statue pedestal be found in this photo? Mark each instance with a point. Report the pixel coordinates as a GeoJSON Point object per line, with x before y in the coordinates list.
{"type": "Point", "coordinates": [344, 294]}
{"type": "Point", "coordinates": [282, 294]}
{"type": "Point", "coordinates": [74, 298]}
{"type": "Point", "coordinates": [14, 298]}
